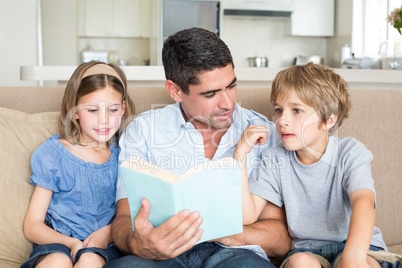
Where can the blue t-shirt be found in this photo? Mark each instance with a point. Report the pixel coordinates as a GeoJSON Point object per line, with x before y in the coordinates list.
{"type": "Point", "coordinates": [83, 199]}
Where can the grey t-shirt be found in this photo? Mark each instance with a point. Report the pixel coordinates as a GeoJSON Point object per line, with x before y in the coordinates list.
{"type": "Point", "coordinates": [316, 197]}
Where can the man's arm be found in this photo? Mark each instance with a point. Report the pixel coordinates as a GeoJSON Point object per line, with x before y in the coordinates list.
{"type": "Point", "coordinates": [270, 232]}
{"type": "Point", "coordinates": [175, 236]}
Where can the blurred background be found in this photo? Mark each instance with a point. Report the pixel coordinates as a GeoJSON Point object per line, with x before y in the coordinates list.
{"type": "Point", "coordinates": [131, 32]}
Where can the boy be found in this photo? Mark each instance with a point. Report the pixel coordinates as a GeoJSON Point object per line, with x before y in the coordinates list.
{"type": "Point", "coordinates": [324, 183]}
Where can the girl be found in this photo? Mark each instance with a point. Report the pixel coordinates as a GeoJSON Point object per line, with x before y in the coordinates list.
{"type": "Point", "coordinates": [73, 204]}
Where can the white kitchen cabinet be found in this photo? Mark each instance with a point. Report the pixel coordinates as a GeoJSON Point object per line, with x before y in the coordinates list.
{"type": "Point", "coordinates": [312, 18]}
{"type": "Point", "coordinates": [114, 18]}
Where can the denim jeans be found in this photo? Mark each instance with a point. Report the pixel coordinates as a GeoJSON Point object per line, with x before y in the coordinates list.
{"type": "Point", "coordinates": [329, 252]}
{"type": "Point", "coordinates": [110, 253]}
{"type": "Point", "coordinates": [206, 255]}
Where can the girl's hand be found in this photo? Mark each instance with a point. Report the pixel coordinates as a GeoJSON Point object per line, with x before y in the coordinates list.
{"type": "Point", "coordinates": [100, 238]}
{"type": "Point", "coordinates": [75, 247]}
{"type": "Point", "coordinates": [254, 134]}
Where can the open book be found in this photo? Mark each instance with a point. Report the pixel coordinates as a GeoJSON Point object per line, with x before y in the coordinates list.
{"type": "Point", "coordinates": [213, 189]}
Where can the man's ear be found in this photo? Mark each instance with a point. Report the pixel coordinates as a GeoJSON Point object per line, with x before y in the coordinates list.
{"type": "Point", "coordinates": [331, 121]}
{"type": "Point", "coordinates": [173, 90]}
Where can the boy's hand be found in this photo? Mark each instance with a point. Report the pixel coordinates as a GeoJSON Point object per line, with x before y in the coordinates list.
{"type": "Point", "coordinates": [254, 134]}
{"type": "Point", "coordinates": [354, 262]}
{"type": "Point", "coordinates": [360, 231]}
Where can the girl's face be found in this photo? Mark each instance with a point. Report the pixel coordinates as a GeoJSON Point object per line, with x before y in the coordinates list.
{"type": "Point", "coordinates": [299, 127]}
{"type": "Point", "coordinates": [100, 115]}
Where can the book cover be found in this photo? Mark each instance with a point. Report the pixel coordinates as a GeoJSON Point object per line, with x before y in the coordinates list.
{"type": "Point", "coordinates": [212, 188]}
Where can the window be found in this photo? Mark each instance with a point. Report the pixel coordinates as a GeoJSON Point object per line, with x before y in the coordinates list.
{"type": "Point", "coordinates": [372, 33]}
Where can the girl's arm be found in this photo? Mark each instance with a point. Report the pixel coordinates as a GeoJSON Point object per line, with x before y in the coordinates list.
{"type": "Point", "coordinates": [360, 229]}
{"type": "Point", "coordinates": [252, 204]}
{"type": "Point", "coordinates": [101, 238]}
{"type": "Point", "coordinates": [35, 229]}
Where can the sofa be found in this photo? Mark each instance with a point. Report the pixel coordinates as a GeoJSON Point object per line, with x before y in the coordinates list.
{"type": "Point", "coordinates": [28, 117]}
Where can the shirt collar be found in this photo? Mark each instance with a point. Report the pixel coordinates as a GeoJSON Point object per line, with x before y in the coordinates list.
{"type": "Point", "coordinates": [175, 118]}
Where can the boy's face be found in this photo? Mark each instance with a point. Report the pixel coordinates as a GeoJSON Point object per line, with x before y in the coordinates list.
{"type": "Point", "coordinates": [299, 127]}
{"type": "Point", "coordinates": [211, 103]}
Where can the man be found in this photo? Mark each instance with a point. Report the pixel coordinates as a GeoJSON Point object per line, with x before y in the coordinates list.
{"type": "Point", "coordinates": [205, 123]}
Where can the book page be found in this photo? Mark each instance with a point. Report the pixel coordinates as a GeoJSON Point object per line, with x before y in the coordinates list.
{"type": "Point", "coordinates": [145, 167]}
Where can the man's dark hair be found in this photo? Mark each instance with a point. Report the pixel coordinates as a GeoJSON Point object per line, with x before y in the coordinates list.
{"type": "Point", "coordinates": [190, 52]}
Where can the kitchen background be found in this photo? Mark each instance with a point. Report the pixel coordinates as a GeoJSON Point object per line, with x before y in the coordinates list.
{"type": "Point", "coordinates": [132, 32]}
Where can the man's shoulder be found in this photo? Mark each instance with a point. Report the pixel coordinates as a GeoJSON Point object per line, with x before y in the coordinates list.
{"type": "Point", "coordinates": [166, 111]}
{"type": "Point", "coordinates": [160, 116]}
{"type": "Point", "coordinates": [255, 118]}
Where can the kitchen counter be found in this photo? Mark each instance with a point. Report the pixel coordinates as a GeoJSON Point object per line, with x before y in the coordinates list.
{"type": "Point", "coordinates": [247, 77]}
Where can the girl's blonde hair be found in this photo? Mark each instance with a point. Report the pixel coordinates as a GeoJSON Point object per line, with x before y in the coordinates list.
{"type": "Point", "coordinates": [318, 87]}
{"type": "Point", "coordinates": [87, 78]}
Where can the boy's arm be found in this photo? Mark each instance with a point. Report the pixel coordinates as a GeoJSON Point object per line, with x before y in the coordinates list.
{"type": "Point", "coordinates": [360, 229]}
{"type": "Point", "coordinates": [252, 204]}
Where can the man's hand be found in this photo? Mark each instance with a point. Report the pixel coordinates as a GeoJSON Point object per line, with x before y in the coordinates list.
{"type": "Point", "coordinates": [170, 239]}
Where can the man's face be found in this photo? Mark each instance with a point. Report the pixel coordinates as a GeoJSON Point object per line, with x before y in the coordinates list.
{"type": "Point", "coordinates": [210, 104]}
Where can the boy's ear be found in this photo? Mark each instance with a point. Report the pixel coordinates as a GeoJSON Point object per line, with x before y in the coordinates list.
{"type": "Point", "coordinates": [173, 90]}
{"type": "Point", "coordinates": [331, 121]}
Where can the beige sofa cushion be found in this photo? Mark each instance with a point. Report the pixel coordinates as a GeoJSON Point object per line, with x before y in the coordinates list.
{"type": "Point", "coordinates": [20, 134]}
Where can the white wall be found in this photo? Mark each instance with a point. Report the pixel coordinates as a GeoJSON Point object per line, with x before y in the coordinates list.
{"type": "Point", "coordinates": [18, 37]}
{"type": "Point", "coordinates": [246, 37]}
{"type": "Point", "coordinates": [17, 40]}
{"type": "Point", "coordinates": [250, 37]}
{"type": "Point", "coordinates": [59, 32]}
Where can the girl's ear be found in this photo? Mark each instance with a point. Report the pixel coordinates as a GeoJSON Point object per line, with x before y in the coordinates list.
{"type": "Point", "coordinates": [76, 117]}
{"type": "Point", "coordinates": [331, 121]}
{"type": "Point", "coordinates": [173, 90]}
{"type": "Point", "coordinates": [123, 110]}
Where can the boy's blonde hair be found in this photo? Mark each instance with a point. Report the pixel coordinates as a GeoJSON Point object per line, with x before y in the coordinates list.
{"type": "Point", "coordinates": [83, 82]}
{"type": "Point", "coordinates": [318, 87]}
